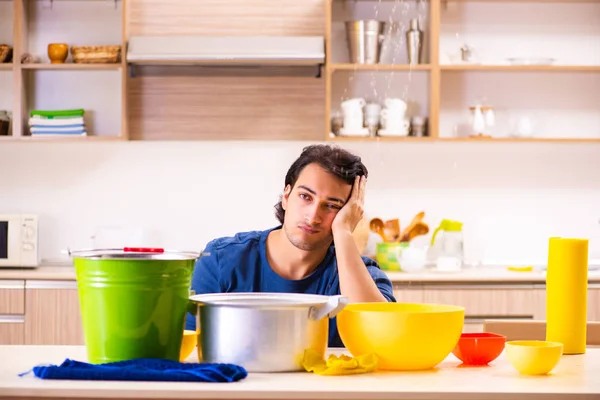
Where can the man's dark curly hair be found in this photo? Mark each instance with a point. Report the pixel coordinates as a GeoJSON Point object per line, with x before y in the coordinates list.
{"type": "Point", "coordinates": [338, 162]}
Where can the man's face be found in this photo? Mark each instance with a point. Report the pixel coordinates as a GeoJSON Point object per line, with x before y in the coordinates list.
{"type": "Point", "coordinates": [311, 206]}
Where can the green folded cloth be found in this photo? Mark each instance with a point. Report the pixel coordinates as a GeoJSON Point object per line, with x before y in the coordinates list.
{"type": "Point", "coordinates": [58, 113]}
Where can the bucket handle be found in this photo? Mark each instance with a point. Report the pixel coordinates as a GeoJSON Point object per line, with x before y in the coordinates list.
{"type": "Point", "coordinates": [142, 250]}
{"type": "Point", "coordinates": [156, 250]}
{"type": "Point", "coordinates": [334, 305]}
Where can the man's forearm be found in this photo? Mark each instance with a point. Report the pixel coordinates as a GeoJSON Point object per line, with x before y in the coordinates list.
{"type": "Point", "coordinates": [355, 281]}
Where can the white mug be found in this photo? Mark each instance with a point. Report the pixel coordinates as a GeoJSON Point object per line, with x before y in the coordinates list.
{"type": "Point", "coordinates": [353, 104]}
{"type": "Point", "coordinates": [354, 113]}
{"type": "Point", "coordinates": [391, 114]}
{"type": "Point", "coordinates": [399, 126]}
{"type": "Point", "coordinates": [394, 121]}
{"type": "Point", "coordinates": [372, 110]}
{"type": "Point", "coordinates": [396, 104]}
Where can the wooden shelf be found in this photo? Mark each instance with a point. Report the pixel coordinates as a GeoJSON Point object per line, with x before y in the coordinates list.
{"type": "Point", "coordinates": [529, 1]}
{"type": "Point", "coordinates": [434, 93]}
{"type": "Point", "coordinates": [66, 138]}
{"type": "Point", "coordinates": [451, 95]}
{"type": "Point", "coordinates": [87, 23]}
{"type": "Point", "coordinates": [381, 139]}
{"type": "Point", "coordinates": [72, 66]}
{"type": "Point", "coordinates": [557, 68]}
{"type": "Point", "coordinates": [514, 140]}
{"type": "Point", "coordinates": [452, 139]}
{"type": "Point", "coordinates": [378, 67]}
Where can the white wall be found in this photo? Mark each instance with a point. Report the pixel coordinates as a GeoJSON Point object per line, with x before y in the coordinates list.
{"type": "Point", "coordinates": [512, 197]}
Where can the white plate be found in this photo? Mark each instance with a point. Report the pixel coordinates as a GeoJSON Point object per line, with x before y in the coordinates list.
{"type": "Point", "coordinates": [531, 61]}
{"type": "Point", "coordinates": [354, 132]}
{"type": "Point", "coordinates": [386, 133]}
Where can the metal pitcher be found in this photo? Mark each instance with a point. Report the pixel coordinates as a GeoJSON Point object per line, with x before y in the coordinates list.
{"type": "Point", "coordinates": [364, 41]}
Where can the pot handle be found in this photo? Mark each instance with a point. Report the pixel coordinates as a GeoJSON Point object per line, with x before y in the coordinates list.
{"type": "Point", "coordinates": [334, 305]}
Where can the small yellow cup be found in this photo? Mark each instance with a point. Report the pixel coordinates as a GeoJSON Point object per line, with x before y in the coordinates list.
{"type": "Point", "coordinates": [534, 357]}
{"type": "Point", "coordinates": [188, 344]}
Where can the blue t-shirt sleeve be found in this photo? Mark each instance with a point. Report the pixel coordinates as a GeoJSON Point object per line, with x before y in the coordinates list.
{"type": "Point", "coordinates": [205, 279]}
{"type": "Point", "coordinates": [384, 284]}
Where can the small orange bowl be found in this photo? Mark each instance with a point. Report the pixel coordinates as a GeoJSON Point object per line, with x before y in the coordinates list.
{"type": "Point", "coordinates": [479, 348]}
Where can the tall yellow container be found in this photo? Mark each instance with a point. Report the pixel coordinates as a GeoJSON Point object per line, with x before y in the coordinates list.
{"type": "Point", "coordinates": [566, 293]}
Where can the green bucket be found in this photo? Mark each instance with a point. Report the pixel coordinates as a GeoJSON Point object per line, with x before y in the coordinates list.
{"type": "Point", "coordinates": [133, 302]}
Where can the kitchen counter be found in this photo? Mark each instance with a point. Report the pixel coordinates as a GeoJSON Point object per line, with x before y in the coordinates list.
{"type": "Point", "coordinates": [576, 377]}
{"type": "Point", "coordinates": [51, 273]}
{"type": "Point", "coordinates": [482, 275]}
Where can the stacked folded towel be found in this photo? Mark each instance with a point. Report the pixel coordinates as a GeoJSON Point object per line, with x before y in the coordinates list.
{"type": "Point", "coordinates": [57, 122]}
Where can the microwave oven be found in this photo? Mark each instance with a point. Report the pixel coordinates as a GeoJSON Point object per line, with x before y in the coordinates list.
{"type": "Point", "coordinates": [19, 240]}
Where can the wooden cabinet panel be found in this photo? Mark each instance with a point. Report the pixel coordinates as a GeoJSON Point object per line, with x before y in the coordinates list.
{"type": "Point", "coordinates": [593, 303]}
{"type": "Point", "coordinates": [12, 297]}
{"type": "Point", "coordinates": [12, 331]}
{"type": "Point", "coordinates": [473, 326]}
{"type": "Point", "coordinates": [539, 303]}
{"type": "Point", "coordinates": [408, 294]}
{"type": "Point", "coordinates": [485, 301]}
{"type": "Point", "coordinates": [238, 107]}
{"type": "Point", "coordinates": [52, 313]}
{"type": "Point", "coordinates": [275, 103]}
{"type": "Point", "coordinates": [228, 18]}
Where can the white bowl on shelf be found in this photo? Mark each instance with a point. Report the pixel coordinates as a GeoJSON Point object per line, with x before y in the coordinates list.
{"type": "Point", "coordinates": [531, 61]}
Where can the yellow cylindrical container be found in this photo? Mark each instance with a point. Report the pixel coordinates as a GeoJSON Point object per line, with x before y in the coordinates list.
{"type": "Point", "coordinates": [566, 293]}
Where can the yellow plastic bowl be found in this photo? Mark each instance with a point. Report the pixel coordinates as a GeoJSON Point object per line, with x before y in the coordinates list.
{"type": "Point", "coordinates": [533, 357]}
{"type": "Point", "coordinates": [188, 343]}
{"type": "Point", "coordinates": [404, 336]}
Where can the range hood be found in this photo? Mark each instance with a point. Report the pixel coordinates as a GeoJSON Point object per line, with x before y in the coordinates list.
{"type": "Point", "coordinates": [227, 50]}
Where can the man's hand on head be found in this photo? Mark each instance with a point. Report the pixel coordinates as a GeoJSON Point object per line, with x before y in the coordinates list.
{"type": "Point", "coordinates": [352, 212]}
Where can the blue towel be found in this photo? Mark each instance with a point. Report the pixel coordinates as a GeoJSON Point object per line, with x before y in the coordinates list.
{"type": "Point", "coordinates": [44, 131]}
{"type": "Point", "coordinates": [57, 127]}
{"type": "Point", "coordinates": [144, 369]}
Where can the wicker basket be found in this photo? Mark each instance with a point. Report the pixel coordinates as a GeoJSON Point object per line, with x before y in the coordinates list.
{"type": "Point", "coordinates": [96, 54]}
{"type": "Point", "coordinates": [5, 53]}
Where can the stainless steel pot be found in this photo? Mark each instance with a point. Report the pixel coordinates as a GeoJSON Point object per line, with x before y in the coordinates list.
{"type": "Point", "coordinates": [263, 332]}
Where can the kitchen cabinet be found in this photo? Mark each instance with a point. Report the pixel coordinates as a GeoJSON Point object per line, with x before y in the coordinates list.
{"type": "Point", "coordinates": [46, 312]}
{"type": "Point", "coordinates": [12, 330]}
{"type": "Point", "coordinates": [491, 300]}
{"type": "Point", "coordinates": [439, 88]}
{"type": "Point", "coordinates": [485, 301]}
{"type": "Point", "coordinates": [459, 70]}
{"type": "Point", "coordinates": [12, 297]}
{"type": "Point", "coordinates": [408, 293]}
{"type": "Point", "coordinates": [12, 311]}
{"type": "Point", "coordinates": [52, 314]}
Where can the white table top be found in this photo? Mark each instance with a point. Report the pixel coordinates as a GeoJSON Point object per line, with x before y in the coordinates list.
{"type": "Point", "coordinates": [575, 375]}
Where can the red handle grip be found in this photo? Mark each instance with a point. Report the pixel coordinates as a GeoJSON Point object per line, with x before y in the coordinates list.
{"type": "Point", "coordinates": [143, 250]}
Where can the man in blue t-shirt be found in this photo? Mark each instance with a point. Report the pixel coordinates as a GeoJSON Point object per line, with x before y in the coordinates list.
{"type": "Point", "coordinates": [313, 250]}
